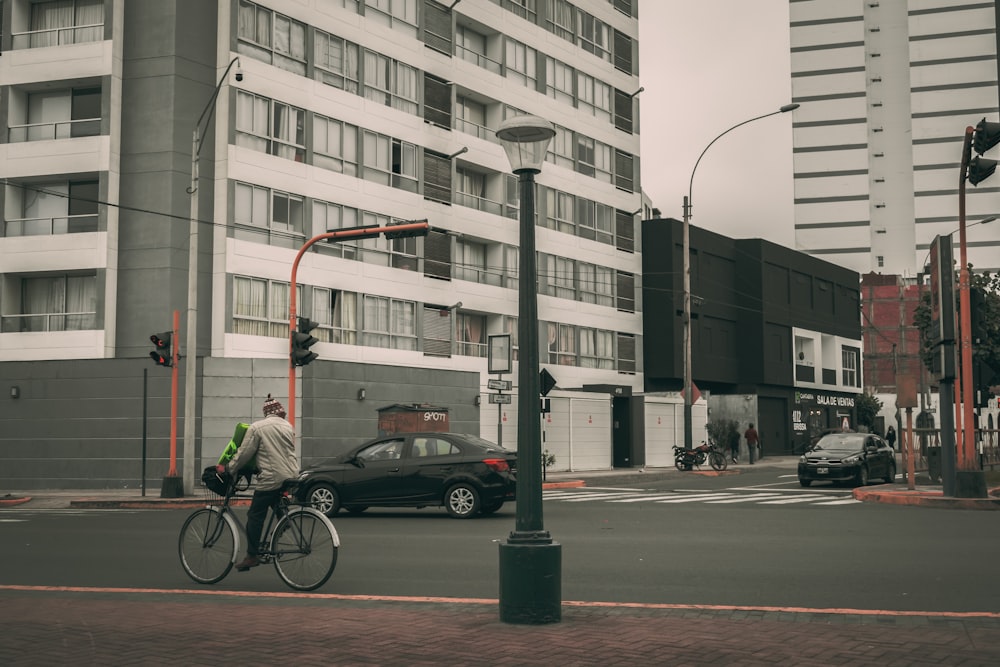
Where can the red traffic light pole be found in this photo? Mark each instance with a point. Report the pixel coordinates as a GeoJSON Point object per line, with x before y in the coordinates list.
{"type": "Point", "coordinates": [414, 228]}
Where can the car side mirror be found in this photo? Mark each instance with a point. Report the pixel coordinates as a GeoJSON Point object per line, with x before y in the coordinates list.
{"type": "Point", "coordinates": [358, 461]}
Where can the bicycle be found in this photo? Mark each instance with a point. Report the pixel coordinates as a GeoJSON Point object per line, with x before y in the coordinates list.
{"type": "Point", "coordinates": [300, 541]}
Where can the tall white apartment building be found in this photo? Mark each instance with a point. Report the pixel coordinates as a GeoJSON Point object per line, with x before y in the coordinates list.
{"type": "Point", "coordinates": [345, 113]}
{"type": "Point", "coordinates": [887, 89]}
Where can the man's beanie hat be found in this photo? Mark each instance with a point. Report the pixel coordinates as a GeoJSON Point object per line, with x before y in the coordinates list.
{"type": "Point", "coordinates": [272, 406]}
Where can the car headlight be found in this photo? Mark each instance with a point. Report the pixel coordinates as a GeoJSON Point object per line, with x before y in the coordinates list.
{"type": "Point", "coordinates": [851, 460]}
{"type": "Point", "coordinates": [802, 459]}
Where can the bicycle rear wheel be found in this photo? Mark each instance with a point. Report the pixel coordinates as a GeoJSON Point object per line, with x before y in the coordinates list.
{"type": "Point", "coordinates": [304, 547]}
{"type": "Point", "coordinates": [208, 545]}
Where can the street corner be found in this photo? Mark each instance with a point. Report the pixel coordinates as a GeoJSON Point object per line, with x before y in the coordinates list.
{"type": "Point", "coordinates": [926, 498]}
{"type": "Point", "coordinates": [9, 500]}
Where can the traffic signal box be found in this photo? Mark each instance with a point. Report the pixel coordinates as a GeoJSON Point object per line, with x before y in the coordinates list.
{"type": "Point", "coordinates": [986, 136]}
{"type": "Point", "coordinates": [162, 355]}
{"type": "Point", "coordinates": [302, 341]}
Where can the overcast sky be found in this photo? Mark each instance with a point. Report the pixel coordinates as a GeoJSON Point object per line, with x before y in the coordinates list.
{"type": "Point", "coordinates": [707, 65]}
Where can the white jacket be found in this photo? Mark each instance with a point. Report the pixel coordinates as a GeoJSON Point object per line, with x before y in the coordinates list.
{"type": "Point", "coordinates": [272, 441]}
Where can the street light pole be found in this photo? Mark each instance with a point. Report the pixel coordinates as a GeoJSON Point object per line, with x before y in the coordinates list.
{"type": "Point", "coordinates": [191, 339]}
{"type": "Point", "coordinates": [686, 250]}
{"type": "Point", "coordinates": [530, 561]}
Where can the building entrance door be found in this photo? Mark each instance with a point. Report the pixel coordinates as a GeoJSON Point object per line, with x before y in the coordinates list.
{"type": "Point", "coordinates": [773, 428]}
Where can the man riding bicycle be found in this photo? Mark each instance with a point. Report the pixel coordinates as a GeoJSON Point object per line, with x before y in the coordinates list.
{"type": "Point", "coordinates": [272, 441]}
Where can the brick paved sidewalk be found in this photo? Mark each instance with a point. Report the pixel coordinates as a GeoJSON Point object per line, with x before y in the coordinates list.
{"type": "Point", "coordinates": [150, 628]}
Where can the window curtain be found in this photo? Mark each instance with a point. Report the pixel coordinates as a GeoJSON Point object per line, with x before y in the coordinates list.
{"type": "Point", "coordinates": [345, 317]}
{"type": "Point", "coordinates": [81, 300]}
{"type": "Point", "coordinates": [249, 306]}
{"type": "Point", "coordinates": [49, 16]}
{"type": "Point", "coordinates": [376, 77]}
{"type": "Point", "coordinates": [89, 13]}
{"type": "Point", "coordinates": [404, 325]}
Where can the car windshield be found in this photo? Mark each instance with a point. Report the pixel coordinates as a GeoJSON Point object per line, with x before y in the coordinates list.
{"type": "Point", "coordinates": [839, 442]}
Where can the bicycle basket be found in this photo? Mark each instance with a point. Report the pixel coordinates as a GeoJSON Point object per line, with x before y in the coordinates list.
{"type": "Point", "coordinates": [217, 482]}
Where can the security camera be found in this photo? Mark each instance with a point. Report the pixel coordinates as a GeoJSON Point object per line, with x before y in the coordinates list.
{"type": "Point", "coordinates": [239, 75]}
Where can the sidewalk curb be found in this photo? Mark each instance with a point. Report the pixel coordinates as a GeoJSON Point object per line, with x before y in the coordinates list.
{"type": "Point", "coordinates": [568, 484]}
{"type": "Point", "coordinates": [10, 502]}
{"type": "Point", "coordinates": [927, 499]}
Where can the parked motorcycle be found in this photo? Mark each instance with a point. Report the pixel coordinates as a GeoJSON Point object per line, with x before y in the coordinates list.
{"type": "Point", "coordinates": [686, 459]}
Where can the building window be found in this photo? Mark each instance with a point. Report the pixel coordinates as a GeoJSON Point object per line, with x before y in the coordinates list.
{"type": "Point", "coordinates": [623, 52]}
{"type": "Point", "coordinates": [336, 313]}
{"type": "Point", "coordinates": [623, 111]}
{"type": "Point", "coordinates": [59, 115]}
{"type": "Point", "coordinates": [470, 117]}
{"type": "Point", "coordinates": [400, 15]}
{"type": "Point", "coordinates": [470, 262]}
{"type": "Point", "coordinates": [330, 217]}
{"type": "Point", "coordinates": [389, 161]}
{"type": "Point", "coordinates": [472, 190]}
{"type": "Point", "coordinates": [881, 261]}
{"type": "Point", "coordinates": [559, 80]}
{"type": "Point", "coordinates": [470, 333]}
{"type": "Point", "coordinates": [624, 171]}
{"type": "Point", "coordinates": [270, 127]}
{"type": "Point", "coordinates": [62, 22]}
{"type": "Point", "coordinates": [437, 27]}
{"type": "Point", "coordinates": [526, 9]}
{"type": "Point", "coordinates": [389, 323]}
{"type": "Point", "coordinates": [849, 360]}
{"type": "Point", "coordinates": [561, 148]}
{"type": "Point", "coordinates": [52, 303]}
{"type": "Point", "coordinates": [53, 208]}
{"type": "Point", "coordinates": [470, 46]}
{"type": "Point", "coordinates": [597, 284]}
{"type": "Point", "coordinates": [521, 63]}
{"type": "Point", "coordinates": [626, 353]}
{"type": "Point", "coordinates": [625, 291]}
{"type": "Point", "coordinates": [397, 253]}
{"type": "Point", "coordinates": [271, 37]}
{"type": "Point", "coordinates": [337, 62]}
{"type": "Point", "coordinates": [279, 214]}
{"type": "Point", "coordinates": [390, 82]}
{"type": "Point", "coordinates": [335, 145]}
{"type": "Point", "coordinates": [437, 101]}
{"type": "Point", "coordinates": [560, 211]}
{"type": "Point", "coordinates": [593, 96]}
{"type": "Point", "coordinates": [261, 307]}
{"type": "Point", "coordinates": [597, 348]}
{"type": "Point", "coordinates": [595, 36]}
{"type": "Point", "coordinates": [562, 344]}
{"type": "Point", "coordinates": [561, 19]}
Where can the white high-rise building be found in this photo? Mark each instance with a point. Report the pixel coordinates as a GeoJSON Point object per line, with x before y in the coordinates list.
{"type": "Point", "coordinates": [344, 113]}
{"type": "Point", "coordinates": [887, 89]}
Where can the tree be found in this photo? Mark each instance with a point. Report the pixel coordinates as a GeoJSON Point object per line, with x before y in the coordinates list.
{"type": "Point", "coordinates": [986, 347]}
{"type": "Point", "coordinates": [868, 408]}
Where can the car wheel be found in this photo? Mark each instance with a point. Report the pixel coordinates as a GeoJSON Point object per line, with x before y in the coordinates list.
{"type": "Point", "coordinates": [324, 498]}
{"type": "Point", "coordinates": [462, 501]}
{"type": "Point", "coordinates": [862, 477]}
{"type": "Point", "coordinates": [890, 475]}
{"type": "Point", "coordinates": [492, 507]}
{"type": "Point", "coordinates": [805, 482]}
{"type": "Point", "coordinates": [355, 509]}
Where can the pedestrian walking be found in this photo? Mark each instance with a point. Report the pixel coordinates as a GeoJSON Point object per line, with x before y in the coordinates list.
{"type": "Point", "coordinates": [890, 436]}
{"type": "Point", "coordinates": [753, 441]}
{"type": "Point", "coordinates": [734, 444]}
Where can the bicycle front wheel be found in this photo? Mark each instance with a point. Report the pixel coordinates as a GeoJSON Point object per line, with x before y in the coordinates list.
{"type": "Point", "coordinates": [208, 545]}
{"type": "Point", "coordinates": [717, 460]}
{"type": "Point", "coordinates": [305, 546]}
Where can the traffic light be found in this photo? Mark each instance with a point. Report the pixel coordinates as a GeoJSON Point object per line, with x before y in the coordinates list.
{"type": "Point", "coordinates": [986, 137]}
{"type": "Point", "coordinates": [162, 355]}
{"type": "Point", "coordinates": [980, 169]}
{"type": "Point", "coordinates": [302, 341]}
{"type": "Point", "coordinates": [406, 233]}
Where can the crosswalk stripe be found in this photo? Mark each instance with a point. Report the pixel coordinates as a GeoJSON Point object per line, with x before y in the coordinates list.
{"type": "Point", "coordinates": [790, 501]}
{"type": "Point", "coordinates": [595, 496]}
{"type": "Point", "coordinates": [639, 499]}
{"type": "Point", "coordinates": [745, 499]}
{"type": "Point", "coordinates": [843, 501]}
{"type": "Point", "coordinates": [696, 498]}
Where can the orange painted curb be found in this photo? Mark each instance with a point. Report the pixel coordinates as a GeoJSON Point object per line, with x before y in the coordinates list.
{"type": "Point", "coordinates": [570, 484]}
{"type": "Point", "coordinates": [10, 502]}
{"type": "Point", "coordinates": [925, 499]}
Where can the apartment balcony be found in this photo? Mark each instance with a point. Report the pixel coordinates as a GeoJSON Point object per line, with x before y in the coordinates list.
{"type": "Point", "coordinates": [68, 129]}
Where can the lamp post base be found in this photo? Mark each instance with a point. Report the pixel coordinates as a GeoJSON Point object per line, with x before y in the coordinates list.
{"type": "Point", "coordinates": [173, 487]}
{"type": "Point", "coordinates": [970, 484]}
{"type": "Point", "coordinates": [530, 581]}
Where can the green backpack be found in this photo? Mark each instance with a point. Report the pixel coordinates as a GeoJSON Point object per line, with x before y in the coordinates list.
{"type": "Point", "coordinates": [230, 451]}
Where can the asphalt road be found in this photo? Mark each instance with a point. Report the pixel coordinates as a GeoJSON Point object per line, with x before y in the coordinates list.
{"type": "Point", "coordinates": [848, 556]}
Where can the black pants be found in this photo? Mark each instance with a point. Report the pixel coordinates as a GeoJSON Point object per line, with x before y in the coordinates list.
{"type": "Point", "coordinates": [262, 500]}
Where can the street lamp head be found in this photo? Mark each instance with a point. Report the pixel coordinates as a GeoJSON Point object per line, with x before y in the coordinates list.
{"type": "Point", "coordinates": [525, 139]}
{"type": "Point", "coordinates": [788, 107]}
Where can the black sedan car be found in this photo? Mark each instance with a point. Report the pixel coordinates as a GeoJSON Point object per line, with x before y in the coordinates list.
{"type": "Point", "coordinates": [848, 457]}
{"type": "Point", "coordinates": [464, 473]}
